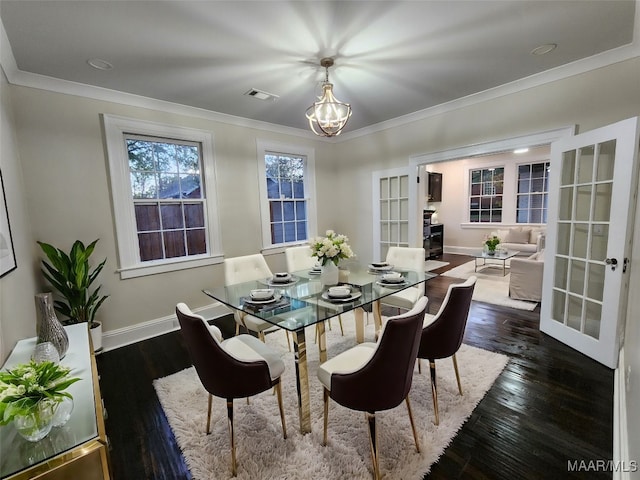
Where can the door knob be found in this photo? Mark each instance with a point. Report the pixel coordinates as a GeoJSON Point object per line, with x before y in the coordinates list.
{"type": "Point", "coordinates": [611, 261]}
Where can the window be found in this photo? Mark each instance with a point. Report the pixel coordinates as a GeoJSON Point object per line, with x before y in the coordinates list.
{"type": "Point", "coordinates": [168, 200]}
{"type": "Point", "coordinates": [162, 181]}
{"type": "Point", "coordinates": [533, 193]}
{"type": "Point", "coordinates": [485, 195]}
{"type": "Point", "coordinates": [287, 194]}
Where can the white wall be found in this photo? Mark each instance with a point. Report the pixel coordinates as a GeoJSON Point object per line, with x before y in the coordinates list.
{"type": "Point", "coordinates": [453, 210]}
{"type": "Point", "coordinates": [63, 161]}
{"type": "Point", "coordinates": [589, 100]}
{"type": "Point", "coordinates": [17, 288]}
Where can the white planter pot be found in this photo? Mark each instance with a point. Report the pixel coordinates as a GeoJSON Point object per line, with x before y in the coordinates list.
{"type": "Point", "coordinates": [96, 336]}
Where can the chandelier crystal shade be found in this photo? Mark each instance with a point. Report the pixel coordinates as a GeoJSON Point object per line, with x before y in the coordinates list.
{"type": "Point", "coordinates": [328, 116]}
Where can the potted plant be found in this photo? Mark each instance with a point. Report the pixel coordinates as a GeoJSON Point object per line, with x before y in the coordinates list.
{"type": "Point", "coordinates": [492, 242]}
{"type": "Point", "coordinates": [71, 275]}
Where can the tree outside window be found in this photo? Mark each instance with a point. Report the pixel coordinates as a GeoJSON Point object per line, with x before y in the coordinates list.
{"type": "Point", "coordinates": [169, 202]}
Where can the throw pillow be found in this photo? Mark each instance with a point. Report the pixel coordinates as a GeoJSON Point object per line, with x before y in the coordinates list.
{"type": "Point", "coordinates": [501, 234]}
{"type": "Point", "coordinates": [518, 235]}
{"type": "Point", "coordinates": [535, 232]}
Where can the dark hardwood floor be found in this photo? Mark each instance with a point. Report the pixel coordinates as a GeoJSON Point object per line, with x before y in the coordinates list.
{"type": "Point", "coordinates": [550, 407]}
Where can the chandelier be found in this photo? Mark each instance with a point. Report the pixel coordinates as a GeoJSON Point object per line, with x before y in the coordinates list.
{"type": "Point", "coordinates": [328, 116]}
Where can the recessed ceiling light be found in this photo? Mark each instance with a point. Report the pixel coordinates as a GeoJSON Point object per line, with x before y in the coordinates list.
{"type": "Point", "coordinates": [99, 64]}
{"type": "Point", "coordinates": [521, 150]}
{"type": "Point", "coordinates": [544, 49]}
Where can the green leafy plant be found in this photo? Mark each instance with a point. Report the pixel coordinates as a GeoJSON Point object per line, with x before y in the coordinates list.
{"type": "Point", "coordinates": [25, 386]}
{"type": "Point", "coordinates": [71, 275]}
{"type": "Point", "coordinates": [492, 242]}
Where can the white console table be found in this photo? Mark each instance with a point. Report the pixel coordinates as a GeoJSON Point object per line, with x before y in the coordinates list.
{"type": "Point", "coordinates": [76, 450]}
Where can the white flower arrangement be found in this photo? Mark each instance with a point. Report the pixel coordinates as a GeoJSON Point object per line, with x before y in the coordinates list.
{"type": "Point", "coordinates": [333, 247]}
{"type": "Point", "coordinates": [25, 386]}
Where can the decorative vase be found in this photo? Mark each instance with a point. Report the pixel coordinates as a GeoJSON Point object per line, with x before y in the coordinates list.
{"type": "Point", "coordinates": [37, 424]}
{"type": "Point", "coordinates": [491, 251]}
{"type": "Point", "coordinates": [62, 412]}
{"type": "Point", "coordinates": [48, 326]}
{"type": "Point", "coordinates": [329, 275]}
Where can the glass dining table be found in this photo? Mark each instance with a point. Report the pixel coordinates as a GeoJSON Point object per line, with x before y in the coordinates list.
{"type": "Point", "coordinates": [302, 301]}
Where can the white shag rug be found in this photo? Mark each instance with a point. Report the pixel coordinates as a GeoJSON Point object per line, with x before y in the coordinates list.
{"type": "Point", "coordinates": [262, 453]}
{"type": "Point", "coordinates": [491, 287]}
{"type": "Point", "coordinates": [430, 265]}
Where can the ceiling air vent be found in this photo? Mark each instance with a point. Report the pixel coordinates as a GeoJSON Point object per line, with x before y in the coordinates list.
{"type": "Point", "coordinates": [261, 95]}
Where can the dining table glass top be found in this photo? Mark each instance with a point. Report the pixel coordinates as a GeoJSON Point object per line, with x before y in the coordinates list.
{"type": "Point", "coordinates": [302, 300]}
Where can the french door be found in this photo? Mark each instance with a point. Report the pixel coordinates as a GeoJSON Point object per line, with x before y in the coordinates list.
{"type": "Point", "coordinates": [395, 210]}
{"type": "Point", "coordinates": [591, 205]}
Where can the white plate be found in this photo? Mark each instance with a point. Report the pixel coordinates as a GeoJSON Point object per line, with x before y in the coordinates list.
{"type": "Point", "coordinates": [273, 299]}
{"type": "Point", "coordinates": [381, 269]}
{"type": "Point", "coordinates": [382, 283]}
{"type": "Point", "coordinates": [350, 298]}
{"type": "Point", "coordinates": [290, 281]}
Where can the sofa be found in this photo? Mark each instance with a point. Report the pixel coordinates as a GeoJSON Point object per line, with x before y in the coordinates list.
{"type": "Point", "coordinates": [525, 282]}
{"type": "Point", "coordinates": [525, 240]}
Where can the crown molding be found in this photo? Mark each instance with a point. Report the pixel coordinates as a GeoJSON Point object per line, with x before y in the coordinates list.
{"type": "Point", "coordinates": [15, 76]}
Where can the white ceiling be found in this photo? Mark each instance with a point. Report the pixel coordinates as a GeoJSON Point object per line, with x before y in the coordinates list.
{"type": "Point", "coordinates": [391, 58]}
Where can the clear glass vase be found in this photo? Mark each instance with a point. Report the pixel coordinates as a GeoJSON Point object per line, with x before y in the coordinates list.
{"type": "Point", "coordinates": [63, 411]}
{"type": "Point", "coordinates": [37, 423]}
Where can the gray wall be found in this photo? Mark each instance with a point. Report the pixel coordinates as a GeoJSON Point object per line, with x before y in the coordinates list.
{"type": "Point", "coordinates": [17, 308]}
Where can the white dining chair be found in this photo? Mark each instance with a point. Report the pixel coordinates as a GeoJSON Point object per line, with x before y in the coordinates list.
{"type": "Point", "coordinates": [245, 269]}
{"type": "Point", "coordinates": [299, 258]}
{"type": "Point", "coordinates": [405, 258]}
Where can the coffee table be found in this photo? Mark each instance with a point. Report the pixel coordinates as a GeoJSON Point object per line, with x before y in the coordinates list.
{"type": "Point", "coordinates": [499, 255]}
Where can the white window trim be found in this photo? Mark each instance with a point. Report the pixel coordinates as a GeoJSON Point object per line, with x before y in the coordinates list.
{"type": "Point", "coordinates": [130, 265]}
{"type": "Point", "coordinates": [264, 146]}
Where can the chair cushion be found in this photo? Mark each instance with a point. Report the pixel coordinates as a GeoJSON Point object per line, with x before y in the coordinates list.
{"type": "Point", "coordinates": [428, 320]}
{"type": "Point", "coordinates": [254, 324]}
{"type": "Point", "coordinates": [214, 331]}
{"type": "Point", "coordinates": [249, 349]}
{"type": "Point", "coordinates": [405, 299]}
{"type": "Point", "coordinates": [346, 362]}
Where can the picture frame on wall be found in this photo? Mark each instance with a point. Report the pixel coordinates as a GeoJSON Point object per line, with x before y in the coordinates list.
{"type": "Point", "coordinates": [7, 253]}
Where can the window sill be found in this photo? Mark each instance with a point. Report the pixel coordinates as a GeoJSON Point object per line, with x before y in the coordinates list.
{"type": "Point", "coordinates": [274, 250]}
{"type": "Point", "coordinates": [172, 266]}
{"type": "Point", "coordinates": [486, 225]}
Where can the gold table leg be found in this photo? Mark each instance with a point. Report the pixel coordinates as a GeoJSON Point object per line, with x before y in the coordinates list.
{"type": "Point", "coordinates": [358, 313]}
{"type": "Point", "coordinates": [377, 317]}
{"type": "Point", "coordinates": [302, 376]}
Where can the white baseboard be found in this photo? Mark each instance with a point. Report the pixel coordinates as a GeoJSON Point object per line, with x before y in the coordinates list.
{"type": "Point", "coordinates": [126, 336]}
{"type": "Point", "coordinates": [620, 433]}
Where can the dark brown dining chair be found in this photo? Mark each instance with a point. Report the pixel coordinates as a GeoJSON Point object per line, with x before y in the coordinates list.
{"type": "Point", "coordinates": [372, 377]}
{"type": "Point", "coordinates": [442, 333]}
{"type": "Point", "coordinates": [238, 367]}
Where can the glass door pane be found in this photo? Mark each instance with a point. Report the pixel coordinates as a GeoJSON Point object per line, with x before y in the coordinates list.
{"type": "Point", "coordinates": [584, 213]}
